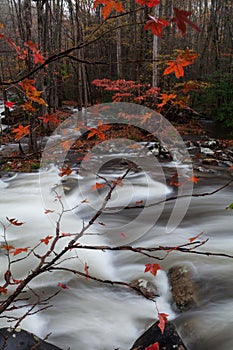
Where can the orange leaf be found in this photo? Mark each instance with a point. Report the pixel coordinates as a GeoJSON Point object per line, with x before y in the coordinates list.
{"type": "Point", "coordinates": [109, 5]}
{"type": "Point", "coordinates": [20, 250]}
{"type": "Point", "coordinates": [165, 99]}
{"type": "Point", "coordinates": [154, 346]}
{"type": "Point", "coordinates": [162, 321]}
{"type": "Point", "coordinates": [3, 290]}
{"type": "Point", "coordinates": [46, 240]}
{"type": "Point", "coordinates": [86, 267]}
{"type": "Point", "coordinates": [194, 179]}
{"type": "Point", "coordinates": [152, 268]}
{"type": "Point", "coordinates": [21, 131]}
{"type": "Point", "coordinates": [7, 247]}
{"type": "Point", "coordinates": [118, 182]}
{"type": "Point", "coordinates": [49, 118]}
{"type": "Point", "coordinates": [195, 237]}
{"type": "Point", "coordinates": [183, 59]}
{"type": "Point", "coordinates": [27, 106]}
{"type": "Point", "coordinates": [15, 222]}
{"type": "Point", "coordinates": [96, 186]}
{"type": "Point", "coordinates": [65, 171]}
{"type": "Point", "coordinates": [99, 131]}
{"type": "Point", "coordinates": [156, 25]}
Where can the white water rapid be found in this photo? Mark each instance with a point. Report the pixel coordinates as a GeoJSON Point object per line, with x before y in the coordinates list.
{"type": "Point", "coordinates": [94, 316]}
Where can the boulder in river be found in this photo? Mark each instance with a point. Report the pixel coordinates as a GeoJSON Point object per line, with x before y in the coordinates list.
{"type": "Point", "coordinates": [169, 340]}
{"type": "Point", "coordinates": [22, 340]}
{"type": "Point", "coordinates": [183, 287]}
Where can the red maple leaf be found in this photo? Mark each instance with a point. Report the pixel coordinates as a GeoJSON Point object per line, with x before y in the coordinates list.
{"type": "Point", "coordinates": [96, 186]}
{"type": "Point", "coordinates": [15, 222]}
{"type": "Point", "coordinates": [148, 3]}
{"type": "Point", "coordinates": [46, 240]}
{"type": "Point", "coordinates": [62, 285]}
{"type": "Point", "coordinates": [183, 59]}
{"type": "Point", "coordinates": [154, 346]}
{"type": "Point", "coordinates": [21, 131]}
{"type": "Point", "coordinates": [162, 321]}
{"type": "Point", "coordinates": [109, 5]}
{"type": "Point", "coordinates": [181, 18]}
{"type": "Point", "coordinates": [152, 268]}
{"type": "Point", "coordinates": [156, 25]}
{"type": "Point", "coordinates": [9, 104]}
{"type": "Point", "coordinates": [20, 250]}
{"type": "Point", "coordinates": [49, 118]}
{"type": "Point", "coordinates": [38, 58]}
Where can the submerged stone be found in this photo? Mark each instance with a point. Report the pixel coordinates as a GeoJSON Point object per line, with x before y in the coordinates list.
{"type": "Point", "coordinates": [169, 340]}
{"type": "Point", "coordinates": [22, 340]}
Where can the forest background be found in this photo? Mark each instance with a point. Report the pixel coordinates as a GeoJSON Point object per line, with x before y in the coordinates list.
{"type": "Point", "coordinates": [81, 52]}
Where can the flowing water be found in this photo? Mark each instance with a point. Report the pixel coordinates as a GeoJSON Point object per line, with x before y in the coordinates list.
{"type": "Point", "coordinates": [93, 315]}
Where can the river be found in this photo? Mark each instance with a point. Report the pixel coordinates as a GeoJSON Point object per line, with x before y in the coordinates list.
{"type": "Point", "coordinates": [91, 315]}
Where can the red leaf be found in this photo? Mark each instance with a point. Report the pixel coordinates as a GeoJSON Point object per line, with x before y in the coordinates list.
{"type": "Point", "coordinates": [195, 237]}
{"type": "Point", "coordinates": [162, 321]}
{"type": "Point", "coordinates": [154, 346]}
{"type": "Point", "coordinates": [152, 268]}
{"type": "Point", "coordinates": [148, 3]}
{"type": "Point", "coordinates": [46, 240]}
{"type": "Point", "coordinates": [109, 5]}
{"type": "Point", "coordinates": [62, 285]}
{"type": "Point", "coordinates": [101, 223]}
{"type": "Point", "coordinates": [48, 211]}
{"type": "Point", "coordinates": [15, 222]}
{"type": "Point", "coordinates": [38, 58]}
{"type": "Point", "coordinates": [181, 18]}
{"type": "Point", "coordinates": [96, 186]}
{"type": "Point", "coordinates": [156, 25]}
{"type": "Point", "coordinates": [20, 250]}
{"type": "Point", "coordinates": [9, 104]}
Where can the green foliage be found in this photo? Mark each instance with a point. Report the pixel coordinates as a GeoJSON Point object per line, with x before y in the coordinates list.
{"type": "Point", "coordinates": [216, 100]}
{"type": "Point", "coordinates": [230, 206]}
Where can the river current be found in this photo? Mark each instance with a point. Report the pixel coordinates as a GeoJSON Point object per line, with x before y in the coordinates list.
{"type": "Point", "coordinates": [88, 314]}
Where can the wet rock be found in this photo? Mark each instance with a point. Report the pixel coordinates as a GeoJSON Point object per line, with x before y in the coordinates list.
{"type": "Point", "coordinates": [145, 287]}
{"type": "Point", "coordinates": [169, 340]}
{"type": "Point", "coordinates": [22, 340]}
{"type": "Point", "coordinates": [210, 161]}
{"type": "Point", "coordinates": [207, 151]}
{"type": "Point", "coordinates": [183, 287]}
